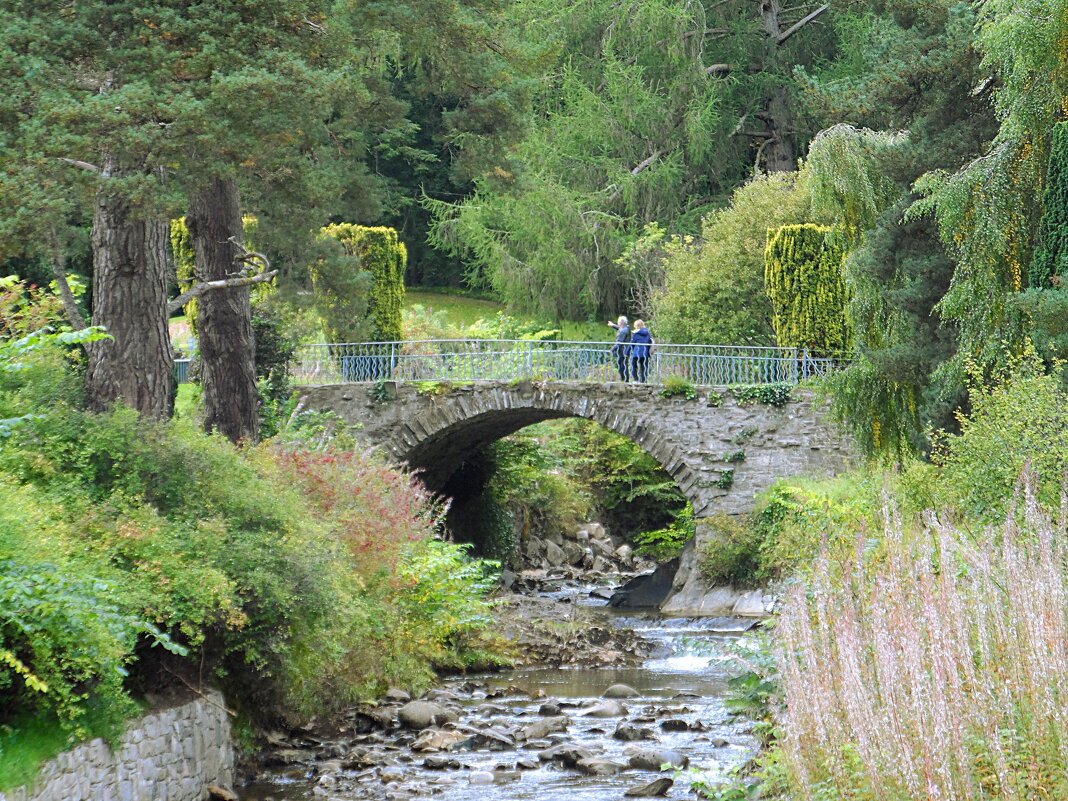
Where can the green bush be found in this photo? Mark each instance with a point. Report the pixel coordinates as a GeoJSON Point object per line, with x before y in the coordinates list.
{"type": "Point", "coordinates": [667, 543]}
{"type": "Point", "coordinates": [714, 287]}
{"type": "Point", "coordinates": [369, 275]}
{"type": "Point", "coordinates": [731, 552]}
{"type": "Point", "coordinates": [1019, 417]}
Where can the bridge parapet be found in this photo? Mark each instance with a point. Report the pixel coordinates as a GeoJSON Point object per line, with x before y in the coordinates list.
{"type": "Point", "coordinates": [465, 360]}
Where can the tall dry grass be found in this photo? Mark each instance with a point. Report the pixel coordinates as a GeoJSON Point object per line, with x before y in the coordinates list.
{"type": "Point", "coordinates": [938, 670]}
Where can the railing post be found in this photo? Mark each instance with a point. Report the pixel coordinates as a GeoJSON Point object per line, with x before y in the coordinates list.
{"type": "Point", "coordinates": [793, 361]}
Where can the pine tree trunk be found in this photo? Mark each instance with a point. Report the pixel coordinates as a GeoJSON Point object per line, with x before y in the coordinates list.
{"type": "Point", "coordinates": [779, 153]}
{"type": "Point", "coordinates": [131, 272]}
{"type": "Point", "coordinates": [224, 317]}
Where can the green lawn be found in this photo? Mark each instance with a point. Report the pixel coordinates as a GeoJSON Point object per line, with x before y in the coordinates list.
{"type": "Point", "coordinates": [462, 310]}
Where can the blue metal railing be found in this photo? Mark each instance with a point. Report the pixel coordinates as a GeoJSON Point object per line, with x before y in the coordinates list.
{"type": "Point", "coordinates": [464, 360]}
{"type": "Point", "coordinates": [181, 370]}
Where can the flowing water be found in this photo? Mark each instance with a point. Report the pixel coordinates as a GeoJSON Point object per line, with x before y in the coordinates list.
{"type": "Point", "coordinates": [682, 682]}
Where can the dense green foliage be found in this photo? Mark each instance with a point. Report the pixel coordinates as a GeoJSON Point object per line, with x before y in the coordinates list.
{"type": "Point", "coordinates": [803, 279]}
{"type": "Point", "coordinates": [646, 115]}
{"type": "Point", "coordinates": [713, 286]}
{"type": "Point", "coordinates": [308, 578]}
{"type": "Point", "coordinates": [1051, 252]}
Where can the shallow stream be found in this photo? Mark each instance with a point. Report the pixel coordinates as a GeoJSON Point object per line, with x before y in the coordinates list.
{"type": "Point", "coordinates": [679, 704]}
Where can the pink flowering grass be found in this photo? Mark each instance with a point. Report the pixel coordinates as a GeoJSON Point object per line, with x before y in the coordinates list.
{"type": "Point", "coordinates": [932, 667]}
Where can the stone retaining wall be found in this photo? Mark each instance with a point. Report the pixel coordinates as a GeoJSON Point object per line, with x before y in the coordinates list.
{"type": "Point", "coordinates": [169, 755]}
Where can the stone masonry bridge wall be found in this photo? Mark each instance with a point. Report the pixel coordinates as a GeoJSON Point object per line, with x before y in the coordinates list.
{"type": "Point", "coordinates": [434, 432]}
{"type": "Point", "coordinates": [697, 440]}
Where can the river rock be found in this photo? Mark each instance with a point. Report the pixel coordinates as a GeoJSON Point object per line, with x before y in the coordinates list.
{"type": "Point", "coordinates": [526, 763]}
{"type": "Point", "coordinates": [753, 604]}
{"type": "Point", "coordinates": [602, 565]}
{"type": "Point", "coordinates": [438, 740]}
{"type": "Point", "coordinates": [599, 767]}
{"type": "Point", "coordinates": [481, 778]}
{"type": "Point", "coordinates": [718, 742]}
{"type": "Point", "coordinates": [674, 724]}
{"type": "Point", "coordinates": [653, 758]}
{"type": "Point", "coordinates": [441, 763]}
{"type": "Point", "coordinates": [628, 732]}
{"type": "Point", "coordinates": [596, 530]}
{"type": "Point", "coordinates": [549, 708]}
{"type": "Point", "coordinates": [544, 727]}
{"type": "Point", "coordinates": [397, 696]}
{"type": "Point", "coordinates": [487, 739]}
{"type": "Point", "coordinates": [621, 691]}
{"type": "Point", "coordinates": [572, 553]}
{"type": "Point", "coordinates": [603, 593]}
{"type": "Point", "coordinates": [652, 789]}
{"type": "Point", "coordinates": [567, 753]}
{"type": "Point", "coordinates": [608, 708]}
{"type": "Point", "coordinates": [421, 715]}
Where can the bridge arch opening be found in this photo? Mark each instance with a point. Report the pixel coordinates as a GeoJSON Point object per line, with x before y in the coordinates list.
{"type": "Point", "coordinates": [501, 468]}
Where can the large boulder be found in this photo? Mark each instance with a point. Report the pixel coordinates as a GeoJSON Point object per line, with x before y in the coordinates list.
{"type": "Point", "coordinates": [554, 554]}
{"type": "Point", "coordinates": [647, 591]}
{"type": "Point", "coordinates": [421, 715]}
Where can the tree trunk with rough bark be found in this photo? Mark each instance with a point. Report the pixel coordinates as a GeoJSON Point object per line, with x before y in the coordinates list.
{"type": "Point", "coordinates": [131, 272]}
{"type": "Point", "coordinates": [224, 317]}
{"type": "Point", "coordinates": [778, 152]}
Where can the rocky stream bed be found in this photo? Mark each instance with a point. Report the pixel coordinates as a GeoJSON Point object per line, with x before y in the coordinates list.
{"type": "Point", "coordinates": [606, 701]}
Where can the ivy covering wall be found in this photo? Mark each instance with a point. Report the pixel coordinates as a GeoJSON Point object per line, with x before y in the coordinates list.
{"type": "Point", "coordinates": [803, 279]}
{"type": "Point", "coordinates": [339, 289]}
{"type": "Point", "coordinates": [1051, 252]}
{"type": "Point", "coordinates": [185, 260]}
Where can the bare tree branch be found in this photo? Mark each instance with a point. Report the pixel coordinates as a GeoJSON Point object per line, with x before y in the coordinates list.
{"type": "Point", "coordinates": [801, 23]}
{"type": "Point", "coordinates": [59, 270]}
{"type": "Point", "coordinates": [247, 257]}
{"type": "Point", "coordinates": [85, 165]}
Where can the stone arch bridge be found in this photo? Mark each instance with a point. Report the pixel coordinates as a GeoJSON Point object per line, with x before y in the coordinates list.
{"type": "Point", "coordinates": [720, 450]}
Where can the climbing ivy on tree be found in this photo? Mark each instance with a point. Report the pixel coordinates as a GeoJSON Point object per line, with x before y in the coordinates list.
{"type": "Point", "coordinates": [803, 279]}
{"type": "Point", "coordinates": [340, 289]}
{"type": "Point", "coordinates": [1051, 253]}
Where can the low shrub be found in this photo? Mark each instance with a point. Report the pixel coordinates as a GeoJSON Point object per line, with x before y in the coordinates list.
{"type": "Point", "coordinates": [676, 386]}
{"type": "Point", "coordinates": [731, 553]}
{"type": "Point", "coordinates": [1018, 418]}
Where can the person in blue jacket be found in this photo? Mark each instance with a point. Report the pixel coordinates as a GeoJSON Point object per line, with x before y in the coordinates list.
{"type": "Point", "coordinates": [619, 350]}
{"type": "Point", "coordinates": [641, 348]}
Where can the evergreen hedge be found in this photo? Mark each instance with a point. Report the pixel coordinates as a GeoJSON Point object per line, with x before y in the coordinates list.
{"type": "Point", "coordinates": [803, 279]}
{"type": "Point", "coordinates": [377, 251]}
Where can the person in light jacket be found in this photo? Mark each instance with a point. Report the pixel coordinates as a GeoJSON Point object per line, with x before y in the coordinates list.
{"type": "Point", "coordinates": [640, 349]}
{"type": "Point", "coordinates": [619, 349]}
